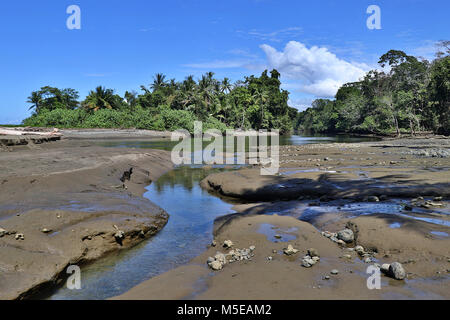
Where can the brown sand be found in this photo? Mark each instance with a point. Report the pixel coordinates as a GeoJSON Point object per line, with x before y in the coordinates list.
{"type": "Point", "coordinates": [341, 172]}
{"type": "Point", "coordinates": [72, 188]}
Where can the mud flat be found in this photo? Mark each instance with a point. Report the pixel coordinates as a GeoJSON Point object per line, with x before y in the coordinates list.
{"type": "Point", "coordinates": [392, 195]}
{"type": "Point", "coordinates": [71, 202]}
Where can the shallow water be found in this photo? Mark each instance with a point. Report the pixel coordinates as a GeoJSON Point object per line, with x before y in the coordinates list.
{"type": "Point", "coordinates": [186, 235]}
{"type": "Point", "coordinates": [189, 230]}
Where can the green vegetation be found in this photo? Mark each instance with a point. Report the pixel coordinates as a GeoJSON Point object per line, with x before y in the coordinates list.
{"type": "Point", "coordinates": [256, 102]}
{"type": "Point", "coordinates": [413, 96]}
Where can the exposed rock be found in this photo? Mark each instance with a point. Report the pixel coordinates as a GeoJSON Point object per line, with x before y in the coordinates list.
{"type": "Point", "coordinates": [290, 250]}
{"type": "Point", "coordinates": [346, 235]}
{"type": "Point", "coordinates": [307, 262]}
{"type": "Point", "coordinates": [373, 199]}
{"type": "Point", "coordinates": [220, 257]}
{"type": "Point", "coordinates": [277, 236]}
{"type": "Point", "coordinates": [385, 267]}
{"type": "Point", "coordinates": [2, 232]}
{"type": "Point", "coordinates": [252, 248]}
{"type": "Point", "coordinates": [216, 265]}
{"type": "Point", "coordinates": [334, 272]}
{"type": "Point", "coordinates": [213, 243]}
{"type": "Point", "coordinates": [19, 236]}
{"type": "Point", "coordinates": [313, 252]}
{"type": "Point", "coordinates": [347, 256]}
{"type": "Point", "coordinates": [359, 250]}
{"type": "Point", "coordinates": [45, 230]}
{"type": "Point", "coordinates": [396, 271]}
{"type": "Point", "coordinates": [228, 244]}
{"type": "Point", "coordinates": [367, 260]}
{"type": "Point", "coordinates": [119, 235]}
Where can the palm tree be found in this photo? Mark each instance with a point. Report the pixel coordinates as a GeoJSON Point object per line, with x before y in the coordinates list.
{"type": "Point", "coordinates": [226, 86]}
{"type": "Point", "coordinates": [159, 81]}
{"type": "Point", "coordinates": [261, 97]}
{"type": "Point", "coordinates": [101, 98]}
{"type": "Point", "coordinates": [35, 99]}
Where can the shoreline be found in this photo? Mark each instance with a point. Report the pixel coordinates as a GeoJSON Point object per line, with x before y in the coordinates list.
{"type": "Point", "coordinates": [67, 200]}
{"type": "Point", "coordinates": [406, 236]}
{"type": "Point", "coordinates": [37, 176]}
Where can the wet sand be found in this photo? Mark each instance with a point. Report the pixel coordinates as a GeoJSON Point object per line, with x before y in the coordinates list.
{"type": "Point", "coordinates": [68, 201]}
{"type": "Point", "coordinates": [394, 171]}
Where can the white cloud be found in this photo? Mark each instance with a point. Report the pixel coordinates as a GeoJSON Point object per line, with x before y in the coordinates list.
{"type": "Point", "coordinates": [318, 71]}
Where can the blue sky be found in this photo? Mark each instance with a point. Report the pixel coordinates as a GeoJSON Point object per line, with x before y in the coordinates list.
{"type": "Point", "coordinates": [315, 44]}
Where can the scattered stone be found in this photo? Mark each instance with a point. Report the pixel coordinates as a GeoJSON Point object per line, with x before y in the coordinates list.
{"type": "Point", "coordinates": [45, 230]}
{"type": "Point", "coordinates": [277, 236]}
{"type": "Point", "coordinates": [367, 260]}
{"type": "Point", "coordinates": [290, 250]}
{"type": "Point", "coordinates": [396, 271]}
{"type": "Point", "coordinates": [269, 258]}
{"type": "Point", "coordinates": [20, 236]}
{"type": "Point", "coordinates": [346, 235]}
{"type": "Point", "coordinates": [220, 257]}
{"type": "Point", "coordinates": [334, 272]}
{"type": "Point", "coordinates": [119, 235]}
{"type": "Point", "coordinates": [313, 252]}
{"type": "Point", "coordinates": [359, 250]}
{"type": "Point", "coordinates": [213, 243]}
{"type": "Point", "coordinates": [347, 256]}
{"type": "Point", "coordinates": [210, 260]}
{"type": "Point", "coordinates": [252, 248]}
{"type": "Point", "coordinates": [385, 267]}
{"type": "Point", "coordinates": [274, 251]}
{"type": "Point", "coordinates": [326, 278]}
{"type": "Point", "coordinates": [438, 198]}
{"type": "Point", "coordinates": [340, 242]}
{"type": "Point", "coordinates": [307, 262]}
{"type": "Point", "coordinates": [216, 265]}
{"type": "Point", "coordinates": [228, 244]}
{"type": "Point", "coordinates": [2, 232]}
{"type": "Point", "coordinates": [373, 199]}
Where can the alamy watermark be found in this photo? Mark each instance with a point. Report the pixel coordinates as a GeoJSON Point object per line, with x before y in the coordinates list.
{"type": "Point", "coordinates": [374, 20]}
{"type": "Point", "coordinates": [374, 280]}
{"type": "Point", "coordinates": [74, 20]}
{"type": "Point", "coordinates": [74, 280]}
{"type": "Point", "coordinates": [238, 147]}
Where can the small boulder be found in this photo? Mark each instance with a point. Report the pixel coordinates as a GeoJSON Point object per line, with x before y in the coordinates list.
{"type": "Point", "coordinates": [397, 271]}
{"type": "Point", "coordinates": [346, 235]}
{"type": "Point", "coordinates": [45, 230]}
{"type": "Point", "coordinates": [290, 250]}
{"type": "Point", "coordinates": [20, 236]}
{"type": "Point", "coordinates": [2, 232]}
{"type": "Point", "coordinates": [307, 262]}
{"type": "Point", "coordinates": [313, 252]}
{"type": "Point", "coordinates": [373, 199]}
{"type": "Point", "coordinates": [385, 267]}
{"type": "Point", "coordinates": [334, 272]}
{"type": "Point", "coordinates": [227, 244]}
{"type": "Point", "coordinates": [359, 250]}
{"type": "Point", "coordinates": [119, 235]}
{"type": "Point", "coordinates": [216, 265]}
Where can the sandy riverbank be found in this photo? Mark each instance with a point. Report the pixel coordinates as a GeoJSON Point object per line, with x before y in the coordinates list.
{"type": "Point", "coordinates": [67, 200]}
{"type": "Point", "coordinates": [333, 176]}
